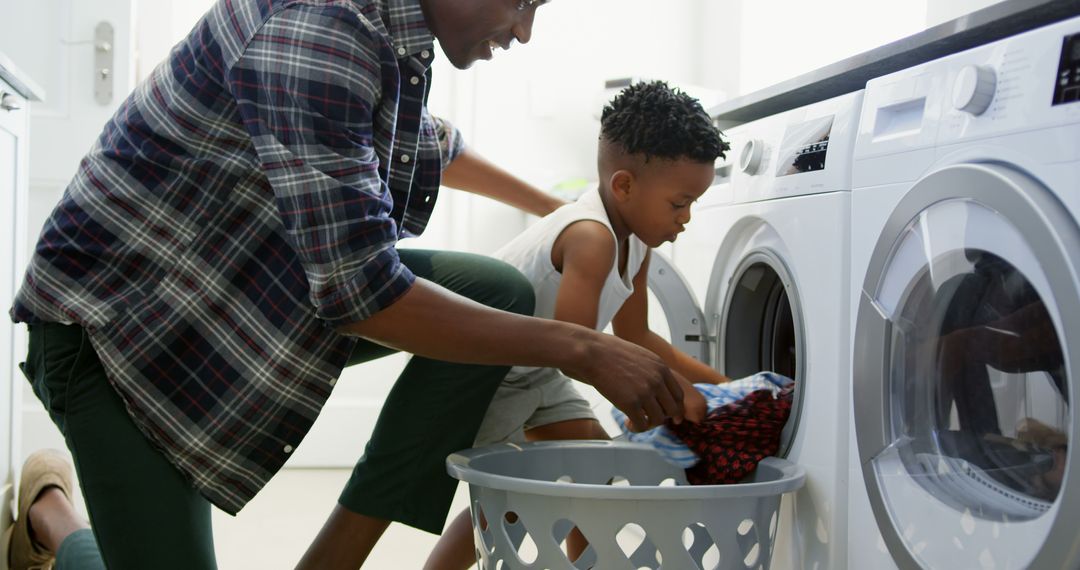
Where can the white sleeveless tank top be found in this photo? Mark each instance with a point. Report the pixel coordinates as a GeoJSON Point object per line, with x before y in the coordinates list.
{"type": "Point", "coordinates": [530, 253]}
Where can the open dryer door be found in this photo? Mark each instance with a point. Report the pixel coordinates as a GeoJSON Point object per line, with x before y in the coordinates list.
{"type": "Point", "coordinates": [966, 338]}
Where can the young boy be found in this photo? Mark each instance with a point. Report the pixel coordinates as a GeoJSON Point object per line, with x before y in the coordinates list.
{"type": "Point", "coordinates": [588, 263]}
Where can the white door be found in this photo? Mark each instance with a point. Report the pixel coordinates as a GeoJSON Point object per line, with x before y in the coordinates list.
{"type": "Point", "coordinates": [54, 42]}
{"type": "Point", "coordinates": [13, 178]}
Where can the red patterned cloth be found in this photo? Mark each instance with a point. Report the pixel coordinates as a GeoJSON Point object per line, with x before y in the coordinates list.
{"type": "Point", "coordinates": [734, 438]}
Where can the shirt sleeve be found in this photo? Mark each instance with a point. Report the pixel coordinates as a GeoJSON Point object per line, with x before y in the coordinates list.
{"type": "Point", "coordinates": [450, 142]}
{"type": "Point", "coordinates": [306, 86]}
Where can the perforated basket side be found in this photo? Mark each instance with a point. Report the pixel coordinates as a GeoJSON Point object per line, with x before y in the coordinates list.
{"type": "Point", "coordinates": [526, 499]}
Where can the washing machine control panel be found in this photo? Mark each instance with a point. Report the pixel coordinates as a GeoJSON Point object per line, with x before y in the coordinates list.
{"type": "Point", "coordinates": [1067, 89]}
{"type": "Point", "coordinates": [802, 151]}
{"type": "Point", "coordinates": [1015, 86]}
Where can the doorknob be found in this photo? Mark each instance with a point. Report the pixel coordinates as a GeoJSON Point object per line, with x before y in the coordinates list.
{"type": "Point", "coordinates": [9, 102]}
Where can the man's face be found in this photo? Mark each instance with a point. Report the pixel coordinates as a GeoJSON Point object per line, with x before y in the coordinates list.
{"type": "Point", "coordinates": [469, 30]}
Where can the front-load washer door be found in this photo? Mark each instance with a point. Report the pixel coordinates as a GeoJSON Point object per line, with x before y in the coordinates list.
{"type": "Point", "coordinates": [686, 323]}
{"type": "Point", "coordinates": [967, 334]}
{"type": "Point", "coordinates": [759, 320]}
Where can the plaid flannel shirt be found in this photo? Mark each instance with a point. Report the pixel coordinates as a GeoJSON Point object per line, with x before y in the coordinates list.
{"type": "Point", "coordinates": [244, 201]}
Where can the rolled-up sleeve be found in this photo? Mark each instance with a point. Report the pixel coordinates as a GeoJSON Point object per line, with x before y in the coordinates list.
{"type": "Point", "coordinates": [306, 87]}
{"type": "Point", "coordinates": [450, 142]}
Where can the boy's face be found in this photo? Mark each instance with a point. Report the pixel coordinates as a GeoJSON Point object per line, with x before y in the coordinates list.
{"type": "Point", "coordinates": [469, 30]}
{"type": "Point", "coordinates": [657, 207]}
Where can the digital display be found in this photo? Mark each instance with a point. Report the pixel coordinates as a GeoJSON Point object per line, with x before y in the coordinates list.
{"type": "Point", "coordinates": [805, 147]}
{"type": "Point", "coordinates": [1067, 82]}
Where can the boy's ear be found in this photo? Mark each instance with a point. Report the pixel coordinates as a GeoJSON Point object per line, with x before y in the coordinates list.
{"type": "Point", "coordinates": [622, 183]}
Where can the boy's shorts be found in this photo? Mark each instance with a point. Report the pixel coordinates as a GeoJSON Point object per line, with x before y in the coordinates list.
{"type": "Point", "coordinates": [538, 398]}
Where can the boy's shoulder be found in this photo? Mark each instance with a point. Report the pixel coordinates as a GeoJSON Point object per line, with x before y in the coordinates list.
{"type": "Point", "coordinates": [586, 241]}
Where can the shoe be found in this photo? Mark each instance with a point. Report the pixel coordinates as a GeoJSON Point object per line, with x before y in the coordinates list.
{"type": "Point", "coordinates": [43, 469]}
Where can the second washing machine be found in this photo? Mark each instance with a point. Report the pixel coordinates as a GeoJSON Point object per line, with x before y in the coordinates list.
{"type": "Point", "coordinates": [767, 251]}
{"type": "Point", "coordinates": [966, 313]}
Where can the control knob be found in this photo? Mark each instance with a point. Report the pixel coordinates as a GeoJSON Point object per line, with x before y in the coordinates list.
{"type": "Point", "coordinates": [750, 156]}
{"type": "Point", "coordinates": [974, 89]}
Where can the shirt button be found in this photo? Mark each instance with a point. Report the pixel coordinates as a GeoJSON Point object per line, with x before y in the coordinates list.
{"type": "Point", "coordinates": [401, 51]}
{"type": "Point", "coordinates": [425, 54]}
{"type": "Point", "coordinates": [414, 80]}
{"type": "Point", "coordinates": [333, 382]}
{"type": "Point", "coordinates": [287, 449]}
{"type": "Point", "coordinates": [427, 198]}
{"type": "Point", "coordinates": [405, 158]}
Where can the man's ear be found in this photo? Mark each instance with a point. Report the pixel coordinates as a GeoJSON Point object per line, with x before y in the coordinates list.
{"type": "Point", "coordinates": [622, 184]}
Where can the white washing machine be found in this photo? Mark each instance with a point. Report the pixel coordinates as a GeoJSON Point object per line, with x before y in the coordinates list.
{"type": "Point", "coordinates": [966, 313]}
{"type": "Point", "coordinates": [767, 250]}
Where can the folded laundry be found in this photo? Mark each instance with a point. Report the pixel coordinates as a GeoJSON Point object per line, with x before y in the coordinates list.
{"type": "Point", "coordinates": [717, 437]}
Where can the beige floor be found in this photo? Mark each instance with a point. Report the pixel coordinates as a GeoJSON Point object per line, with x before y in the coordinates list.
{"type": "Point", "coordinates": [275, 528]}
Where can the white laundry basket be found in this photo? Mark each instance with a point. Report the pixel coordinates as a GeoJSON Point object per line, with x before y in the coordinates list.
{"type": "Point", "coordinates": [634, 509]}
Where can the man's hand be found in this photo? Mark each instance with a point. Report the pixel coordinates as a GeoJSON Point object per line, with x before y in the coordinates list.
{"type": "Point", "coordinates": [632, 378]}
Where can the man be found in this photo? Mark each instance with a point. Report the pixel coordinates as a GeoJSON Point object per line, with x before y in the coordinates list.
{"type": "Point", "coordinates": [197, 291]}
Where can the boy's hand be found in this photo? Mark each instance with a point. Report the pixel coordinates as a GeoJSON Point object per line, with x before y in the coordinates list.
{"type": "Point", "coordinates": [695, 405]}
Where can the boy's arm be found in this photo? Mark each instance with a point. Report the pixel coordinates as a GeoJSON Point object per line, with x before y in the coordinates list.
{"type": "Point", "coordinates": [632, 323]}
{"type": "Point", "coordinates": [584, 253]}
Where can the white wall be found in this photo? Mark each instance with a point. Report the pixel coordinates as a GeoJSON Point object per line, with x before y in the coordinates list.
{"type": "Point", "coordinates": [163, 23]}
{"type": "Point", "coordinates": [530, 110]}
{"type": "Point", "coordinates": [938, 11]}
{"type": "Point", "coordinates": [782, 39]}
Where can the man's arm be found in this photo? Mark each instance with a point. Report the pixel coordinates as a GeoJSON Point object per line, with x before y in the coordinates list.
{"type": "Point", "coordinates": [433, 322]}
{"type": "Point", "coordinates": [306, 87]}
{"type": "Point", "coordinates": [472, 173]}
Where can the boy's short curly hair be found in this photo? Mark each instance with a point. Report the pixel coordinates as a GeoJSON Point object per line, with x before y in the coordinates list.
{"type": "Point", "coordinates": [654, 120]}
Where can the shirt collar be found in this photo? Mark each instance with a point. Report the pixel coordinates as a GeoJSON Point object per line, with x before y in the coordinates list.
{"type": "Point", "coordinates": [406, 25]}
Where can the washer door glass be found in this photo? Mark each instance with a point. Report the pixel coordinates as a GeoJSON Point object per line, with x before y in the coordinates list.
{"type": "Point", "coordinates": [976, 393]}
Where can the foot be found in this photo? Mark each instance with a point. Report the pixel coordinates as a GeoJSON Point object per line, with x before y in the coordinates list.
{"type": "Point", "coordinates": [46, 482]}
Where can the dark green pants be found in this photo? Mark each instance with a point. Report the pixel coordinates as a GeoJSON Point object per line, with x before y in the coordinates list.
{"type": "Point", "coordinates": [145, 515]}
